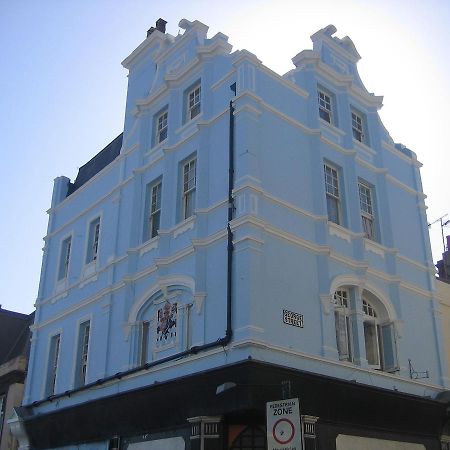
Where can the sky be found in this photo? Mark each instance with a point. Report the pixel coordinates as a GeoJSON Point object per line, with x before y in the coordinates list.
{"type": "Point", "coordinates": [63, 91]}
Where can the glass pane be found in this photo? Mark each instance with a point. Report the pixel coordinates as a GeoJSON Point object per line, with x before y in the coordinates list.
{"type": "Point", "coordinates": [371, 341]}
{"type": "Point", "coordinates": [333, 209]}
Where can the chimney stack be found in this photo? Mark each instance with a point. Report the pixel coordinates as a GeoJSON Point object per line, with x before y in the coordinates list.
{"type": "Point", "coordinates": [160, 26]}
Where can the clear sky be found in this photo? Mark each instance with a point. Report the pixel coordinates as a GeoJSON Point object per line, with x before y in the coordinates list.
{"type": "Point", "coordinates": [62, 90]}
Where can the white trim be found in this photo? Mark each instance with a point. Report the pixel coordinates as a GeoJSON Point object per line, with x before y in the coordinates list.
{"type": "Point", "coordinates": [396, 152]}
{"type": "Point", "coordinates": [162, 284]}
{"type": "Point", "coordinates": [405, 187]}
{"type": "Point", "coordinates": [78, 323]}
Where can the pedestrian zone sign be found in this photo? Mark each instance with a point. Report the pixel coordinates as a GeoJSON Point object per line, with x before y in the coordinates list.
{"type": "Point", "coordinates": [283, 425]}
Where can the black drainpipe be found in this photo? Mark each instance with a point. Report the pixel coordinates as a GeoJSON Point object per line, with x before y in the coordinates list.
{"type": "Point", "coordinates": [199, 348]}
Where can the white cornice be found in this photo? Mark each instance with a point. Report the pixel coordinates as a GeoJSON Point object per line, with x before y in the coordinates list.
{"type": "Point", "coordinates": [352, 368]}
{"type": "Point", "coordinates": [391, 148]}
{"type": "Point", "coordinates": [311, 57]}
{"type": "Point", "coordinates": [155, 38]}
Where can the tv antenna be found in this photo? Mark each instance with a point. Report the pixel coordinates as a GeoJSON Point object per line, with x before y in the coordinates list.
{"type": "Point", "coordinates": [443, 224]}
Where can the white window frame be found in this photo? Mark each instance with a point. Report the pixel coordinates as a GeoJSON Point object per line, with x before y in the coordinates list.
{"type": "Point", "coordinates": [144, 342]}
{"type": "Point", "coordinates": [162, 127]}
{"type": "Point", "coordinates": [193, 102]}
{"type": "Point", "coordinates": [53, 363]}
{"type": "Point", "coordinates": [189, 185]}
{"type": "Point", "coordinates": [367, 211]}
{"type": "Point", "coordinates": [82, 352]}
{"type": "Point", "coordinates": [64, 258]}
{"type": "Point", "coordinates": [93, 240]}
{"type": "Point", "coordinates": [325, 101]}
{"type": "Point", "coordinates": [371, 321]}
{"type": "Point", "coordinates": [333, 192]}
{"type": "Point", "coordinates": [358, 125]}
{"type": "Point", "coordinates": [343, 322]}
{"type": "Point", "coordinates": [153, 209]}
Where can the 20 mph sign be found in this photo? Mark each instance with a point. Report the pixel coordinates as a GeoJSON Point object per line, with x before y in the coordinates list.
{"type": "Point", "coordinates": [283, 425]}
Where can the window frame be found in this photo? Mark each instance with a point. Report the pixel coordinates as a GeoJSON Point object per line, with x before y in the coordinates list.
{"type": "Point", "coordinates": [188, 191]}
{"type": "Point", "coordinates": [343, 324]}
{"type": "Point", "coordinates": [93, 240]}
{"type": "Point", "coordinates": [64, 259]}
{"type": "Point", "coordinates": [3, 398]}
{"type": "Point", "coordinates": [161, 126]}
{"type": "Point", "coordinates": [152, 221]}
{"type": "Point", "coordinates": [83, 351]}
{"type": "Point", "coordinates": [193, 110]}
{"type": "Point", "coordinates": [323, 103]}
{"type": "Point", "coordinates": [359, 126]}
{"type": "Point", "coordinates": [333, 193]}
{"type": "Point", "coordinates": [53, 364]}
{"type": "Point", "coordinates": [366, 204]}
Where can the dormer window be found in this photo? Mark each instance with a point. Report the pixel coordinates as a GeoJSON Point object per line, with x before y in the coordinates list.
{"type": "Point", "coordinates": [325, 106]}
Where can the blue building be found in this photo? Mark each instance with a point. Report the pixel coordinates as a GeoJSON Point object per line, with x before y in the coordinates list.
{"type": "Point", "coordinates": [248, 237]}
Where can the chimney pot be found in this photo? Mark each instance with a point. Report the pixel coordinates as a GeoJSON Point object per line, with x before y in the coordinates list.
{"type": "Point", "coordinates": [161, 25]}
{"type": "Point", "coordinates": [150, 31]}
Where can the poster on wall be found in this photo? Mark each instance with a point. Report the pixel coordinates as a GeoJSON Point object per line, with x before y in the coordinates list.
{"type": "Point", "coordinates": [284, 431]}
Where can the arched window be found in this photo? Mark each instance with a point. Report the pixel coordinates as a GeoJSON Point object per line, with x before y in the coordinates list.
{"type": "Point", "coordinates": [252, 438]}
{"type": "Point", "coordinates": [343, 322]}
{"type": "Point", "coordinates": [163, 324]}
{"type": "Point", "coordinates": [378, 330]}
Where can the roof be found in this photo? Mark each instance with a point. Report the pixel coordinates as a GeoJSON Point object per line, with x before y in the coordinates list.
{"type": "Point", "coordinates": [96, 164]}
{"type": "Point", "coordinates": [14, 334]}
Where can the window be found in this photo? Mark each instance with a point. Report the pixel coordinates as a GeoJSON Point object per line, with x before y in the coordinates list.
{"type": "Point", "coordinates": [193, 102]}
{"type": "Point", "coordinates": [64, 259]}
{"type": "Point", "coordinates": [378, 331]}
{"type": "Point", "coordinates": [366, 204]}
{"type": "Point", "coordinates": [343, 325]}
{"type": "Point", "coordinates": [82, 354]}
{"type": "Point", "coordinates": [2, 411]}
{"type": "Point", "coordinates": [144, 341]}
{"type": "Point", "coordinates": [52, 364]}
{"type": "Point", "coordinates": [358, 126]}
{"type": "Point", "coordinates": [189, 184]}
{"type": "Point", "coordinates": [325, 106]}
{"type": "Point", "coordinates": [94, 232]}
{"type": "Point", "coordinates": [152, 210]}
{"type": "Point", "coordinates": [380, 340]}
{"type": "Point", "coordinates": [332, 193]}
{"type": "Point", "coordinates": [161, 127]}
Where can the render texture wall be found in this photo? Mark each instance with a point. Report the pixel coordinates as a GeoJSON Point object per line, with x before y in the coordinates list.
{"type": "Point", "coordinates": [287, 254]}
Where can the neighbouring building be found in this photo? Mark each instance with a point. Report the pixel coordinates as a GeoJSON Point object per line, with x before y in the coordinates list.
{"type": "Point", "coordinates": [443, 292]}
{"type": "Point", "coordinates": [248, 238]}
{"type": "Point", "coordinates": [14, 349]}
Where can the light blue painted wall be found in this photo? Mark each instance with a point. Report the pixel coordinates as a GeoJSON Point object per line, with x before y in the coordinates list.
{"type": "Point", "coordinates": [287, 255]}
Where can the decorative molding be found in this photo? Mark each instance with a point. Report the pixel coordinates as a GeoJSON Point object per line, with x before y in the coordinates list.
{"type": "Point", "coordinates": [327, 302]}
{"type": "Point", "coordinates": [184, 226]}
{"type": "Point", "coordinates": [199, 300]}
{"type": "Point", "coordinates": [340, 232]}
{"type": "Point", "coordinates": [373, 247]}
{"type": "Point", "coordinates": [152, 244]}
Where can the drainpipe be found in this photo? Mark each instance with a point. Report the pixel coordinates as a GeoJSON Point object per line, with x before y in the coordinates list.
{"type": "Point", "coordinates": [199, 348]}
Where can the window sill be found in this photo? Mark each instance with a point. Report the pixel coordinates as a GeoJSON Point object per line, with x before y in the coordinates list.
{"type": "Point", "coordinates": [182, 227]}
{"type": "Point", "coordinates": [189, 123]}
{"type": "Point", "coordinates": [89, 269]}
{"type": "Point", "coordinates": [331, 127]}
{"type": "Point", "coordinates": [149, 245]}
{"type": "Point", "coordinates": [363, 147]}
